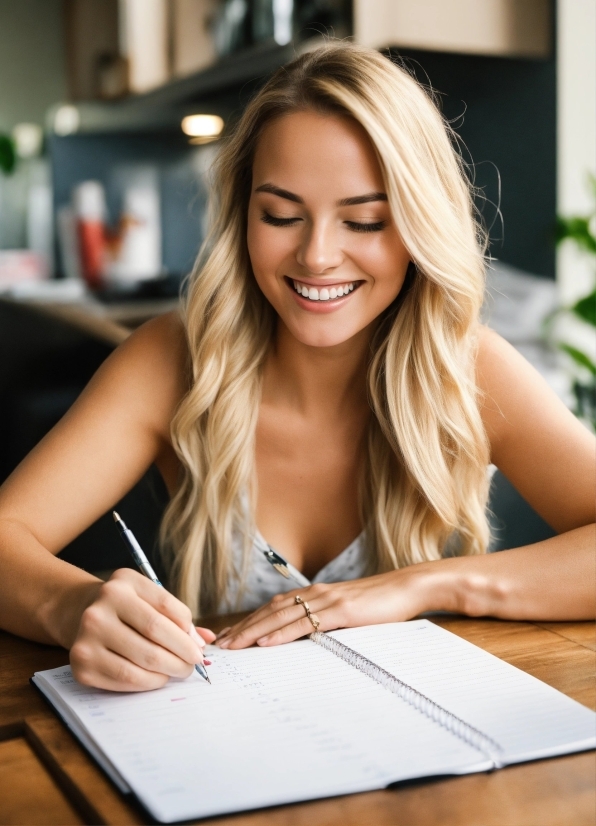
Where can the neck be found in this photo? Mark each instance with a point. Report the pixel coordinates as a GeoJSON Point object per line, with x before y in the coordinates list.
{"type": "Point", "coordinates": [317, 381]}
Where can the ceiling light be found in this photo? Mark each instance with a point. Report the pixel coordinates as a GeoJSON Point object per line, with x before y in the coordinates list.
{"type": "Point", "coordinates": [202, 128]}
{"type": "Point", "coordinates": [67, 120]}
{"type": "Point", "coordinates": [28, 138]}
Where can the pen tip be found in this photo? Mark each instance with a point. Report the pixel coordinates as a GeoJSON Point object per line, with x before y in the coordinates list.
{"type": "Point", "coordinates": [200, 669]}
{"type": "Point", "coordinates": [116, 516]}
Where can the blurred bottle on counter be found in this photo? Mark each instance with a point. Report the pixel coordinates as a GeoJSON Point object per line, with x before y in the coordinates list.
{"type": "Point", "coordinates": [89, 204]}
{"type": "Point", "coordinates": [126, 253]}
{"type": "Point", "coordinates": [135, 247]}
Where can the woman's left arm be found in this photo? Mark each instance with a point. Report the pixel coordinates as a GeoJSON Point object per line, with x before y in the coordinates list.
{"type": "Point", "coordinates": [550, 457]}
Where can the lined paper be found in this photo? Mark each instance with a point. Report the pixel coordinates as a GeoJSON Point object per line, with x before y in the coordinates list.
{"type": "Point", "coordinates": [528, 718]}
{"type": "Point", "coordinates": [279, 724]}
{"type": "Point", "coordinates": [295, 722]}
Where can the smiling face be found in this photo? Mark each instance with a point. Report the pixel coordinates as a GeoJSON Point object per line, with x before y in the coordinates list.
{"type": "Point", "coordinates": [322, 243]}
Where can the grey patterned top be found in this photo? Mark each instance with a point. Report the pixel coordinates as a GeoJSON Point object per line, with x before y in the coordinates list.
{"type": "Point", "coordinates": [262, 581]}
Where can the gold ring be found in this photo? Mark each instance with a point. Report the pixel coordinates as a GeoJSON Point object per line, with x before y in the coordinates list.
{"type": "Point", "coordinates": [315, 621]}
{"type": "Point", "coordinates": [299, 601]}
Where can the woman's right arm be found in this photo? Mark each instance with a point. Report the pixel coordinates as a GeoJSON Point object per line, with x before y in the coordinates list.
{"type": "Point", "coordinates": [127, 633]}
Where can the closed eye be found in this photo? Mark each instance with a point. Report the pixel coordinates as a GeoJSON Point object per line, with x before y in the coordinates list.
{"type": "Point", "coordinates": [278, 222]}
{"type": "Point", "coordinates": [377, 226]}
{"type": "Point", "coordinates": [355, 226]}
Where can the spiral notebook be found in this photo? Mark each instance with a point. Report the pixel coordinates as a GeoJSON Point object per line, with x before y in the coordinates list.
{"type": "Point", "coordinates": [349, 711]}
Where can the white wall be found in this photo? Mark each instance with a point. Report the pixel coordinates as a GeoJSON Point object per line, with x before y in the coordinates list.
{"type": "Point", "coordinates": [576, 133]}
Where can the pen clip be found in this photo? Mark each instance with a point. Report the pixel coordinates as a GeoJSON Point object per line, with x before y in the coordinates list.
{"type": "Point", "coordinates": [278, 562]}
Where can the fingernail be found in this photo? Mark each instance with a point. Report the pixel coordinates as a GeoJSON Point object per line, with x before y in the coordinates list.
{"type": "Point", "coordinates": [224, 643]}
{"type": "Point", "coordinates": [223, 632]}
{"type": "Point", "coordinates": [263, 641]}
{"type": "Point", "coordinates": [206, 662]}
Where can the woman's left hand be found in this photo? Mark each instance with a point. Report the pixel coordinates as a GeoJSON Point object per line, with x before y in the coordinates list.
{"type": "Point", "coordinates": [391, 597]}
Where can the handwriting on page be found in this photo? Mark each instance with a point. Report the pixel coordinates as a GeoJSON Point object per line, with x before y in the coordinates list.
{"type": "Point", "coordinates": [295, 713]}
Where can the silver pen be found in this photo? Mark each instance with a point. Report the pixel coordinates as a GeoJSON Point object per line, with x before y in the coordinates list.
{"type": "Point", "coordinates": [286, 569]}
{"type": "Point", "coordinates": [139, 557]}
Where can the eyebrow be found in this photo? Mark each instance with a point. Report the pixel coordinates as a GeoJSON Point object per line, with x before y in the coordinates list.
{"type": "Point", "coordinates": [291, 196]}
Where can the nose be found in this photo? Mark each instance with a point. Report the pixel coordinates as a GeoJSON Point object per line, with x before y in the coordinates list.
{"type": "Point", "coordinates": [320, 249]}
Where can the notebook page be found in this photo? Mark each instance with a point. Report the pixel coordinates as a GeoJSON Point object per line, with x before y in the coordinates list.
{"type": "Point", "coordinates": [277, 725]}
{"type": "Point", "coordinates": [528, 718]}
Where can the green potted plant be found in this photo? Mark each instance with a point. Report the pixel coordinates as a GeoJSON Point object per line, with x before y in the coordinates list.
{"type": "Point", "coordinates": [8, 156]}
{"type": "Point", "coordinates": [581, 231]}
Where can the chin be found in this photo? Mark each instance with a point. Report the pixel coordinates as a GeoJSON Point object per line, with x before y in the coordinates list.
{"type": "Point", "coordinates": [323, 335]}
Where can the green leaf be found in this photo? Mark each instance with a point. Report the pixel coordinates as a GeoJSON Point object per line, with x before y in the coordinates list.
{"type": "Point", "coordinates": [579, 358]}
{"type": "Point", "coordinates": [578, 229]}
{"type": "Point", "coordinates": [7, 154]}
{"type": "Point", "coordinates": [586, 308]}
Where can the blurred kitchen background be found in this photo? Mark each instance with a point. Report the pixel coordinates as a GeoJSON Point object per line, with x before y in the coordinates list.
{"type": "Point", "coordinates": [110, 115]}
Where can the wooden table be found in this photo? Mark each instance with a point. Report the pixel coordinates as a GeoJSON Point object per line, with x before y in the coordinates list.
{"type": "Point", "coordinates": [47, 778]}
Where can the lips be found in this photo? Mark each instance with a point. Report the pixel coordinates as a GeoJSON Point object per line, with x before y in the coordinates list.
{"type": "Point", "coordinates": [323, 293]}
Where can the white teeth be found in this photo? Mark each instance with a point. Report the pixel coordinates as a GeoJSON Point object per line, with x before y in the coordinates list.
{"type": "Point", "coordinates": [324, 294]}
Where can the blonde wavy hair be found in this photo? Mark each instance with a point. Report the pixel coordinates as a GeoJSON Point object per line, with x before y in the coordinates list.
{"type": "Point", "coordinates": [425, 476]}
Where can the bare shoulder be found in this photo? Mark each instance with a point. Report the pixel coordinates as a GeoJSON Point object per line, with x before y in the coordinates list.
{"type": "Point", "coordinates": [161, 342]}
{"type": "Point", "coordinates": [501, 372]}
{"type": "Point", "coordinates": [513, 394]}
{"type": "Point", "coordinates": [153, 366]}
{"type": "Point", "coordinates": [535, 440]}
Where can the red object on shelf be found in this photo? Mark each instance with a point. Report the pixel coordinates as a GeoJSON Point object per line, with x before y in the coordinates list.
{"type": "Point", "coordinates": [89, 202]}
{"type": "Point", "coordinates": [92, 245]}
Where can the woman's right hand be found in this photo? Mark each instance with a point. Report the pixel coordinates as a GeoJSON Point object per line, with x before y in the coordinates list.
{"type": "Point", "coordinates": [134, 636]}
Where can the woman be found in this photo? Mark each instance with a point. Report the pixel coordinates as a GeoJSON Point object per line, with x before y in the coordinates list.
{"type": "Point", "coordinates": [330, 384]}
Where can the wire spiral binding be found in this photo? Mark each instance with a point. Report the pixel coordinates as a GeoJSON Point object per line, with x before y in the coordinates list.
{"type": "Point", "coordinates": [470, 735]}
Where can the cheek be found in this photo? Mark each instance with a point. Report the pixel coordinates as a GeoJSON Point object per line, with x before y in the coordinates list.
{"type": "Point", "coordinates": [267, 249]}
{"type": "Point", "coordinates": [385, 260]}
{"type": "Point", "coordinates": [254, 244]}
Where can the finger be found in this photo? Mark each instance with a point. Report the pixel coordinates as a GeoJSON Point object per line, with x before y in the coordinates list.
{"type": "Point", "coordinates": [155, 595]}
{"type": "Point", "coordinates": [281, 602]}
{"type": "Point", "coordinates": [268, 624]}
{"type": "Point", "coordinates": [105, 669]}
{"type": "Point", "coordinates": [288, 633]}
{"type": "Point", "coordinates": [231, 631]}
{"type": "Point", "coordinates": [195, 637]}
{"type": "Point", "coordinates": [158, 628]}
{"type": "Point", "coordinates": [278, 602]}
{"type": "Point", "coordinates": [131, 645]}
{"type": "Point", "coordinates": [206, 635]}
